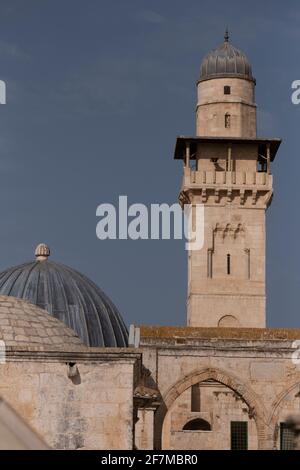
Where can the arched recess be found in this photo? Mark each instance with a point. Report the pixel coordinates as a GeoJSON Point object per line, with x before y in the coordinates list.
{"type": "Point", "coordinates": [234, 383]}
{"type": "Point", "coordinates": [197, 424]}
{"type": "Point", "coordinates": [276, 408]}
{"type": "Point", "coordinates": [228, 321]}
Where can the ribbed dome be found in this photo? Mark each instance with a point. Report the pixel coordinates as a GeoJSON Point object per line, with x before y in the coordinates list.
{"type": "Point", "coordinates": [225, 61]}
{"type": "Point", "coordinates": [25, 325]}
{"type": "Point", "coordinates": [69, 296]}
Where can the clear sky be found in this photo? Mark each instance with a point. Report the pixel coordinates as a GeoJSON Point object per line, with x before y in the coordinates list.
{"type": "Point", "coordinates": [97, 91]}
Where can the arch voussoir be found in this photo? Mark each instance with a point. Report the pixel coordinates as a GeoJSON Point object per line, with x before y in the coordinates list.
{"type": "Point", "coordinates": [228, 379]}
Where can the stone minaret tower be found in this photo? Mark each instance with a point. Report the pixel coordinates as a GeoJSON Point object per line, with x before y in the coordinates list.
{"type": "Point", "coordinates": [227, 169]}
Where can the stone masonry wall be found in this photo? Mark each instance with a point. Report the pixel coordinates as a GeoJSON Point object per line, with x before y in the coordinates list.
{"type": "Point", "coordinates": [82, 412]}
{"type": "Point", "coordinates": [259, 382]}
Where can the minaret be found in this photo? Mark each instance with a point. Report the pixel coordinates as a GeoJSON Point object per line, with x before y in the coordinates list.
{"type": "Point", "coordinates": [227, 169]}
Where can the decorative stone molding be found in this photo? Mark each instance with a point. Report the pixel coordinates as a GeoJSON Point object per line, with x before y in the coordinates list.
{"type": "Point", "coordinates": [217, 196]}
{"type": "Point", "coordinates": [183, 198]}
{"type": "Point", "coordinates": [229, 195]}
{"type": "Point", "coordinates": [229, 230]}
{"type": "Point", "coordinates": [242, 197]}
{"type": "Point", "coordinates": [254, 197]}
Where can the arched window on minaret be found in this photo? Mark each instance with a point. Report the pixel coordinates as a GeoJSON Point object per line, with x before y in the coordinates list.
{"type": "Point", "coordinates": [227, 120]}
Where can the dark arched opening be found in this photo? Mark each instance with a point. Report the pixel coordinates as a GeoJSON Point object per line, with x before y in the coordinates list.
{"type": "Point", "coordinates": [197, 424]}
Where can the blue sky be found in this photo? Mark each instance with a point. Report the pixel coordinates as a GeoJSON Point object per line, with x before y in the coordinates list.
{"type": "Point", "coordinates": [96, 93]}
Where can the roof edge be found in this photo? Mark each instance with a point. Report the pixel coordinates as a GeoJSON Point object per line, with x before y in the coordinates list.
{"type": "Point", "coordinates": [179, 152]}
{"type": "Point", "coordinates": [172, 332]}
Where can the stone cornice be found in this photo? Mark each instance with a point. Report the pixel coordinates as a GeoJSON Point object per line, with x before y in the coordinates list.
{"type": "Point", "coordinates": [120, 355]}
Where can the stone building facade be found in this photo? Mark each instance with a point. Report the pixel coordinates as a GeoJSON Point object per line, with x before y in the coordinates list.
{"type": "Point", "coordinates": [73, 396]}
{"type": "Point", "coordinates": [222, 388]}
{"type": "Point", "coordinates": [73, 378]}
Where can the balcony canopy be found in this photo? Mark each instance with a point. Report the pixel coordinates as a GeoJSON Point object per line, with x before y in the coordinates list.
{"type": "Point", "coordinates": [194, 141]}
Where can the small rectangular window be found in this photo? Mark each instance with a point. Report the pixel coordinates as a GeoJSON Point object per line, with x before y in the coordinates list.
{"type": "Point", "coordinates": [228, 264]}
{"type": "Point", "coordinates": [195, 398]}
{"type": "Point", "coordinates": [227, 90]}
{"type": "Point", "coordinates": [239, 435]}
{"type": "Point", "coordinates": [286, 437]}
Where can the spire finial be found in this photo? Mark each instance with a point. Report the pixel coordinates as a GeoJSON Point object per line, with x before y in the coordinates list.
{"type": "Point", "coordinates": [226, 35]}
{"type": "Point", "coordinates": [42, 252]}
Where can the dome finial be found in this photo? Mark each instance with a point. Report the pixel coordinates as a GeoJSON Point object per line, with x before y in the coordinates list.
{"type": "Point", "coordinates": [42, 252]}
{"type": "Point", "coordinates": [226, 35]}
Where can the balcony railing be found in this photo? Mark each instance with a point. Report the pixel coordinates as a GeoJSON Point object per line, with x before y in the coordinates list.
{"type": "Point", "coordinates": [226, 178]}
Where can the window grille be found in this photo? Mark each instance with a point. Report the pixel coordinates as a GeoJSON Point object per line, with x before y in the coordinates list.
{"type": "Point", "coordinates": [286, 437]}
{"type": "Point", "coordinates": [239, 435]}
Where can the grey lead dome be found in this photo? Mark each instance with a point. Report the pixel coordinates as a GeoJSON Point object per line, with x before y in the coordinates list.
{"type": "Point", "coordinates": [69, 296]}
{"type": "Point", "coordinates": [225, 61]}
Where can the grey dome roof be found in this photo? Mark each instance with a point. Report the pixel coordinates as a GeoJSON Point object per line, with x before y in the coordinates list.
{"type": "Point", "coordinates": [225, 61]}
{"type": "Point", "coordinates": [70, 297]}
